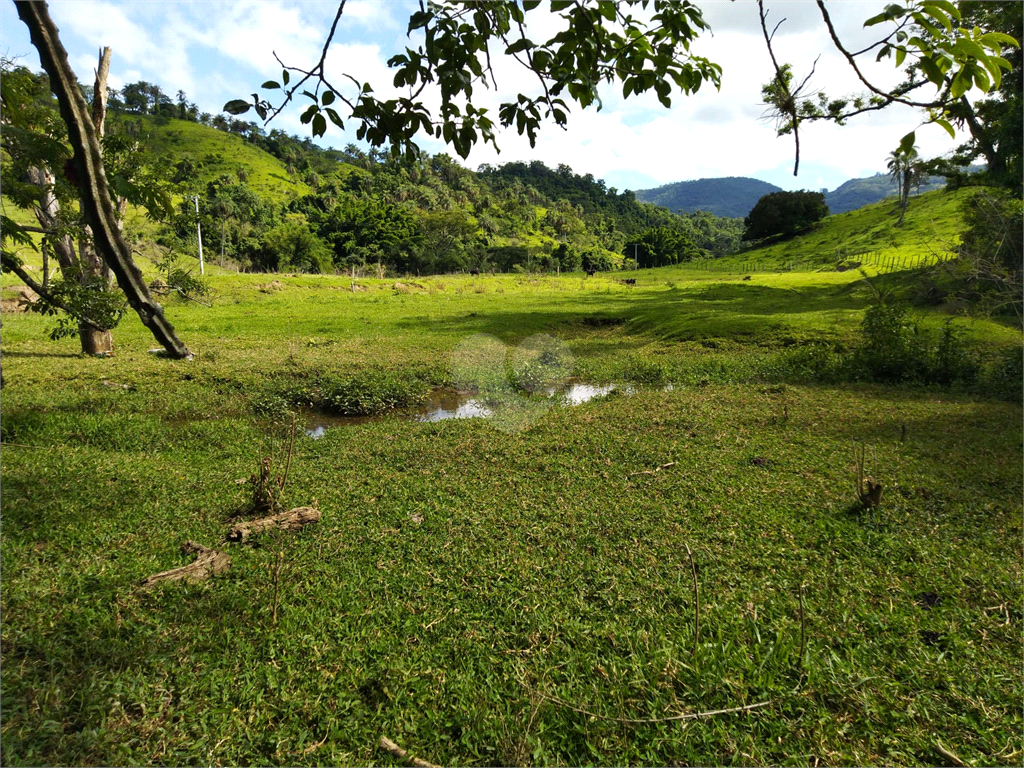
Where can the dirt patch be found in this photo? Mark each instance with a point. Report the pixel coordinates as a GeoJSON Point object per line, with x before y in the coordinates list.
{"type": "Point", "coordinates": [17, 299]}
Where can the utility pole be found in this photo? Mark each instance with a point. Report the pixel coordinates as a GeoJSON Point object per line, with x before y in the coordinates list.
{"type": "Point", "coordinates": [199, 233]}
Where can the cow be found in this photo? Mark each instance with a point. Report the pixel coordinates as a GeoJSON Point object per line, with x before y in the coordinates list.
{"type": "Point", "coordinates": [474, 271]}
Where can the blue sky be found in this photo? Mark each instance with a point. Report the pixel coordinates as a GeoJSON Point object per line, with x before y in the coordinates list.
{"type": "Point", "coordinates": [216, 51]}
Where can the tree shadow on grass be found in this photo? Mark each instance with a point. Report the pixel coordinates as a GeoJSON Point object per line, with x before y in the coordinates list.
{"type": "Point", "coordinates": [41, 354]}
{"type": "Point", "coordinates": [749, 313]}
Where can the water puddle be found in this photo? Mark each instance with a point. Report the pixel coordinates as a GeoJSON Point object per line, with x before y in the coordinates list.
{"type": "Point", "coordinates": [443, 404]}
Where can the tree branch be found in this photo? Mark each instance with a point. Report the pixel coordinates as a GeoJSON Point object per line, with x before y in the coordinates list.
{"type": "Point", "coordinates": [11, 263]}
{"type": "Point", "coordinates": [853, 63]}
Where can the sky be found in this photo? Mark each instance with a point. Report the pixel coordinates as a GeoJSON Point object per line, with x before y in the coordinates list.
{"type": "Point", "coordinates": [220, 50]}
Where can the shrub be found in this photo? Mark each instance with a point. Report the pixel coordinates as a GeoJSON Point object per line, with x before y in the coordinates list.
{"type": "Point", "coordinates": [597, 261]}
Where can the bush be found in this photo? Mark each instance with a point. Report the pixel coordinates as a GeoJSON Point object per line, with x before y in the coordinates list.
{"type": "Point", "coordinates": [292, 246]}
{"type": "Point", "coordinates": [596, 261]}
{"type": "Point", "coordinates": [784, 213]}
{"type": "Point", "coordinates": [896, 349]}
{"type": "Point", "coordinates": [1004, 377]}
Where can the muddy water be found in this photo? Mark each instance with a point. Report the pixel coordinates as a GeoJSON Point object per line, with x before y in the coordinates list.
{"type": "Point", "coordinates": [318, 423]}
{"type": "Point", "coordinates": [442, 404]}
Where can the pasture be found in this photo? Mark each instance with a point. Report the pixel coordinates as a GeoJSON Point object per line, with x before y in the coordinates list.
{"type": "Point", "coordinates": [493, 597]}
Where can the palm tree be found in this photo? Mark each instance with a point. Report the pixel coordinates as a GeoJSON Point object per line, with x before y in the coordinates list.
{"type": "Point", "coordinates": [905, 169]}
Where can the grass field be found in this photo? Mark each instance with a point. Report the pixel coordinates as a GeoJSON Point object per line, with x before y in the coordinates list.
{"type": "Point", "coordinates": [505, 598]}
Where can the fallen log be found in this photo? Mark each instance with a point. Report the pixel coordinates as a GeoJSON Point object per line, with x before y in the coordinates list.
{"type": "Point", "coordinates": [292, 520]}
{"type": "Point", "coordinates": [209, 563]}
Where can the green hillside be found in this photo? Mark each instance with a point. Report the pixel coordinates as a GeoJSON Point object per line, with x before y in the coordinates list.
{"type": "Point", "coordinates": [931, 228]}
{"type": "Point", "coordinates": [215, 153]}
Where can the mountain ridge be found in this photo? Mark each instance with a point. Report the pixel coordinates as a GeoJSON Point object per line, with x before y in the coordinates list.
{"type": "Point", "coordinates": [735, 196]}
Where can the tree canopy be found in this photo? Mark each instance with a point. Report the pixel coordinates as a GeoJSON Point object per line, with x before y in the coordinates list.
{"type": "Point", "coordinates": [784, 213]}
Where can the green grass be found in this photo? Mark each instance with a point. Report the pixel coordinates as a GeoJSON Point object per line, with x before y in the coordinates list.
{"type": "Point", "coordinates": [542, 567]}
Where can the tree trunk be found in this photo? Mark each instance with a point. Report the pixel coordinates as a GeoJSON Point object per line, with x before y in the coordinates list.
{"type": "Point", "coordinates": [96, 200]}
{"type": "Point", "coordinates": [95, 342]}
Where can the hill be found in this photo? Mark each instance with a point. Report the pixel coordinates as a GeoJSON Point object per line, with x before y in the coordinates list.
{"type": "Point", "coordinates": [931, 228]}
{"type": "Point", "coordinates": [212, 153]}
{"type": "Point", "coordinates": [732, 197]}
{"type": "Point", "coordinates": [856, 193]}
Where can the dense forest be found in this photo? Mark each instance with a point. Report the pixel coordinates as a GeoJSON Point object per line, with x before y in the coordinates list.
{"type": "Point", "coordinates": [342, 210]}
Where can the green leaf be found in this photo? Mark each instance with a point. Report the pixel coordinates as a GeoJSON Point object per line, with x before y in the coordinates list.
{"type": "Point", "coordinates": [518, 46]}
{"type": "Point", "coordinates": [335, 117]}
{"type": "Point", "coordinates": [907, 142]}
{"type": "Point", "coordinates": [284, 76]}
{"type": "Point", "coordinates": [308, 114]}
{"type": "Point", "coordinates": [961, 84]}
{"type": "Point", "coordinates": [271, 85]}
{"type": "Point", "coordinates": [944, 5]}
{"type": "Point", "coordinates": [237, 107]}
{"type": "Point", "coordinates": [890, 13]}
{"type": "Point", "coordinates": [319, 125]}
{"type": "Point", "coordinates": [945, 124]}
{"type": "Point", "coordinates": [901, 54]}
{"type": "Point", "coordinates": [997, 37]}
{"type": "Point", "coordinates": [981, 78]}
{"type": "Point", "coordinates": [327, 98]}
{"type": "Point", "coordinates": [932, 71]}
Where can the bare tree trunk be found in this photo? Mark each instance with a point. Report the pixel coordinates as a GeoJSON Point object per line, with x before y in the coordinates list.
{"type": "Point", "coordinates": [96, 199]}
{"type": "Point", "coordinates": [94, 341]}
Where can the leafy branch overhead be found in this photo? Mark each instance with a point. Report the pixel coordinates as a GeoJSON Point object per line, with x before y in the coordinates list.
{"type": "Point", "coordinates": [596, 43]}
{"type": "Point", "coordinates": [930, 38]}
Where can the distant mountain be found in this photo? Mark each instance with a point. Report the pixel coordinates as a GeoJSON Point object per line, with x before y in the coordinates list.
{"type": "Point", "coordinates": [856, 193]}
{"type": "Point", "coordinates": [733, 196]}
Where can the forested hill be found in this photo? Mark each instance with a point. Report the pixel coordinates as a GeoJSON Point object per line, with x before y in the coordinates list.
{"type": "Point", "coordinates": [732, 196]}
{"type": "Point", "coordinates": [272, 201]}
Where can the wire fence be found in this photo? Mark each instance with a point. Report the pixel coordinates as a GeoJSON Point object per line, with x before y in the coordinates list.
{"type": "Point", "coordinates": [879, 261]}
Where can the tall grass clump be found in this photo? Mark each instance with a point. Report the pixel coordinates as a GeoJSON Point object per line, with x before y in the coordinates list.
{"type": "Point", "coordinates": [366, 392]}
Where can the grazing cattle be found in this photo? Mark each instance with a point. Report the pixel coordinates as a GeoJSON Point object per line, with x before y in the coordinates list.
{"type": "Point", "coordinates": [591, 272]}
{"type": "Point", "coordinates": [747, 277]}
{"type": "Point", "coordinates": [630, 281]}
{"type": "Point", "coordinates": [474, 271]}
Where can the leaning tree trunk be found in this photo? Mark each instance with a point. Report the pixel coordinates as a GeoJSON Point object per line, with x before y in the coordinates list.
{"type": "Point", "coordinates": [96, 199]}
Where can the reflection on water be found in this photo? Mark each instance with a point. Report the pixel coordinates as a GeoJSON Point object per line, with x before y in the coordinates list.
{"type": "Point", "coordinates": [577, 394]}
{"type": "Point", "coordinates": [444, 404]}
